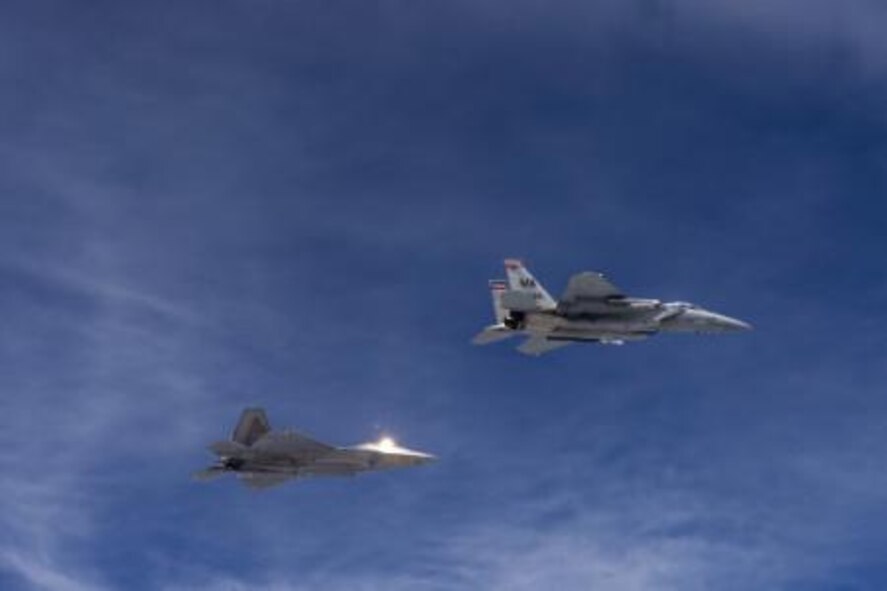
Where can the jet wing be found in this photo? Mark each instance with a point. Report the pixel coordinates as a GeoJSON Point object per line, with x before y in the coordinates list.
{"type": "Point", "coordinates": [590, 286]}
{"type": "Point", "coordinates": [291, 443]}
{"type": "Point", "coordinates": [536, 346]}
{"type": "Point", "coordinates": [493, 334]}
{"type": "Point", "coordinates": [588, 292]}
{"type": "Point", "coordinates": [330, 469]}
{"type": "Point", "coordinates": [259, 481]}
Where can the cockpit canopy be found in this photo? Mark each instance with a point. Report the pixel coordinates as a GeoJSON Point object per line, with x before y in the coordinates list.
{"type": "Point", "coordinates": [685, 305]}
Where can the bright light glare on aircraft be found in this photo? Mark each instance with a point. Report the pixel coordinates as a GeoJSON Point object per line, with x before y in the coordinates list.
{"type": "Point", "coordinates": [387, 444]}
{"type": "Point", "coordinates": [254, 452]}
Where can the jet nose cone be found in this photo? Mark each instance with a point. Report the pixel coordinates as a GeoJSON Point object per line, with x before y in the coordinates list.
{"type": "Point", "coordinates": [728, 324]}
{"type": "Point", "coordinates": [418, 458]}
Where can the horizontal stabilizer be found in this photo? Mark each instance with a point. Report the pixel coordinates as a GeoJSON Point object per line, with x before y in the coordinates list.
{"type": "Point", "coordinates": [493, 334]}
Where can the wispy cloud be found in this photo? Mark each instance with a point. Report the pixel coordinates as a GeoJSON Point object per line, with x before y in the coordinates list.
{"type": "Point", "coordinates": [273, 206]}
{"type": "Point", "coordinates": [42, 576]}
{"type": "Point", "coordinates": [91, 284]}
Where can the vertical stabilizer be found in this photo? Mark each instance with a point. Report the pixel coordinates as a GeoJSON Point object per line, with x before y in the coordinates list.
{"type": "Point", "coordinates": [252, 426]}
{"type": "Point", "coordinates": [498, 331]}
{"type": "Point", "coordinates": [521, 280]}
{"type": "Point", "coordinates": [497, 288]}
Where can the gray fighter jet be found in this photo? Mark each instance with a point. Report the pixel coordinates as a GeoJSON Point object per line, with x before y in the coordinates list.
{"type": "Point", "coordinates": [262, 458]}
{"type": "Point", "coordinates": [591, 310]}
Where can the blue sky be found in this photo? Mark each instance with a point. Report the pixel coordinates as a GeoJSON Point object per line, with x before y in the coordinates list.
{"type": "Point", "coordinates": [298, 205]}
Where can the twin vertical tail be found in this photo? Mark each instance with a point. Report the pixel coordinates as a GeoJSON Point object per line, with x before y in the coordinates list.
{"type": "Point", "coordinates": [518, 294]}
{"type": "Point", "coordinates": [252, 426]}
{"type": "Point", "coordinates": [497, 288]}
{"type": "Point", "coordinates": [498, 331]}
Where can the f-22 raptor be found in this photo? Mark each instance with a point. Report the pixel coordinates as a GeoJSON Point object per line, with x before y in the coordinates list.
{"type": "Point", "coordinates": [262, 458]}
{"type": "Point", "coordinates": [591, 310]}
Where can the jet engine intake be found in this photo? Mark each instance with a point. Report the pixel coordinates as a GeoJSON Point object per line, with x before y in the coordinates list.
{"type": "Point", "coordinates": [232, 463]}
{"type": "Point", "coordinates": [515, 320]}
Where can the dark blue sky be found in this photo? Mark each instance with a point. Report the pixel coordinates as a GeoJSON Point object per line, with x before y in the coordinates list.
{"type": "Point", "coordinates": [297, 204]}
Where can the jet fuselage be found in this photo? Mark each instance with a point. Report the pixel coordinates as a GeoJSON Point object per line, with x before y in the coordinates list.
{"type": "Point", "coordinates": [624, 319]}
{"type": "Point", "coordinates": [261, 457]}
{"type": "Point", "coordinates": [591, 309]}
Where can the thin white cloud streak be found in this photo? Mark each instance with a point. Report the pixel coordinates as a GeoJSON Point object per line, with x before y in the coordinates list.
{"type": "Point", "coordinates": [855, 26]}
{"type": "Point", "coordinates": [92, 285]}
{"type": "Point", "coordinates": [72, 414]}
{"type": "Point", "coordinates": [592, 552]}
{"type": "Point", "coordinates": [42, 576]}
{"type": "Point", "coordinates": [806, 30]}
{"type": "Point", "coordinates": [51, 501]}
{"type": "Point", "coordinates": [498, 558]}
